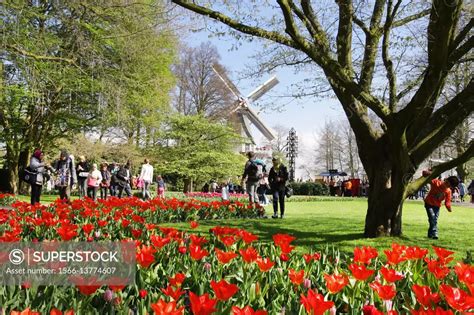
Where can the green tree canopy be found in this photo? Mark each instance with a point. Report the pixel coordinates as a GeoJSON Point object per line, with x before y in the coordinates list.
{"type": "Point", "coordinates": [198, 150]}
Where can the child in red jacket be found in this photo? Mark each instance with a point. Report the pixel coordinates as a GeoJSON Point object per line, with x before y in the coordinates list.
{"type": "Point", "coordinates": [440, 190]}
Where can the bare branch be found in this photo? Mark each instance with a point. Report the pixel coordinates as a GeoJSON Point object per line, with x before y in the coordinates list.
{"type": "Point", "coordinates": [462, 34]}
{"type": "Point", "coordinates": [40, 57]}
{"type": "Point", "coordinates": [457, 54]}
{"type": "Point", "coordinates": [361, 24]}
{"type": "Point", "coordinates": [411, 18]}
{"type": "Point", "coordinates": [246, 29]}
{"type": "Point", "coordinates": [439, 169]}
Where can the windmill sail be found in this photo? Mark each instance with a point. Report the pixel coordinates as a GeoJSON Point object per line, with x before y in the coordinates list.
{"type": "Point", "coordinates": [262, 89]}
{"type": "Point", "coordinates": [223, 76]}
{"type": "Point", "coordinates": [252, 116]}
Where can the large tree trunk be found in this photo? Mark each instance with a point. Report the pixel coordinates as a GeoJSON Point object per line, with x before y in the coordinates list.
{"type": "Point", "coordinates": [388, 176]}
{"type": "Point", "coordinates": [12, 167]}
{"type": "Point", "coordinates": [188, 185]}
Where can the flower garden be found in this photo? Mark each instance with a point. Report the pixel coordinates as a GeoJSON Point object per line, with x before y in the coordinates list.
{"type": "Point", "coordinates": [229, 270]}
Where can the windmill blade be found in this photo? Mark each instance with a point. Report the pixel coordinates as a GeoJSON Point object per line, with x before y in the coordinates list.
{"type": "Point", "coordinates": [223, 76]}
{"type": "Point", "coordinates": [262, 89]}
{"type": "Point", "coordinates": [245, 127]}
{"type": "Point", "coordinates": [252, 116]}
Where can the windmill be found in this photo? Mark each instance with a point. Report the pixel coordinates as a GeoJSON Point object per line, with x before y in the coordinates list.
{"type": "Point", "coordinates": [241, 115]}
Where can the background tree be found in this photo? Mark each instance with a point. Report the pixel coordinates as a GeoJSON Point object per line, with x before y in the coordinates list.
{"type": "Point", "coordinates": [62, 66]}
{"type": "Point", "coordinates": [198, 150]}
{"type": "Point", "coordinates": [364, 49]}
{"type": "Point", "coordinates": [199, 90]}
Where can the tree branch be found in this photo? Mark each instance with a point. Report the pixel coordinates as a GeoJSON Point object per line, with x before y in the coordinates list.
{"type": "Point", "coordinates": [40, 57]}
{"type": "Point", "coordinates": [370, 50]}
{"type": "Point", "coordinates": [291, 26]}
{"type": "Point", "coordinates": [361, 24]}
{"type": "Point", "coordinates": [442, 123]}
{"type": "Point", "coordinates": [462, 34]}
{"type": "Point", "coordinates": [414, 186]}
{"type": "Point", "coordinates": [458, 53]}
{"type": "Point", "coordinates": [411, 18]}
{"type": "Point", "coordinates": [443, 20]}
{"type": "Point", "coordinates": [246, 29]}
{"type": "Point", "coordinates": [344, 35]}
{"type": "Point", "coordinates": [387, 61]}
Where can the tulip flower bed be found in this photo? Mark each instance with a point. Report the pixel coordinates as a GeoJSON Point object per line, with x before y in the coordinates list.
{"type": "Point", "coordinates": [230, 271]}
{"type": "Point", "coordinates": [210, 195]}
{"type": "Point", "coordinates": [6, 199]}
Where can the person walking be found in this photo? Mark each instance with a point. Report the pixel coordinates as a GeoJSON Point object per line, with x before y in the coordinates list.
{"type": "Point", "coordinates": [82, 172]}
{"type": "Point", "coordinates": [146, 176]}
{"type": "Point", "coordinates": [251, 176]}
{"type": "Point", "coordinates": [105, 183]}
{"type": "Point", "coordinates": [39, 167]}
{"type": "Point", "coordinates": [93, 182]}
{"type": "Point", "coordinates": [124, 178]}
{"type": "Point", "coordinates": [65, 175]}
{"type": "Point", "coordinates": [114, 168]}
{"type": "Point", "coordinates": [277, 178]}
{"type": "Point", "coordinates": [440, 190]}
{"type": "Point", "coordinates": [462, 190]}
{"type": "Point", "coordinates": [161, 187]}
{"type": "Point", "coordinates": [470, 190]}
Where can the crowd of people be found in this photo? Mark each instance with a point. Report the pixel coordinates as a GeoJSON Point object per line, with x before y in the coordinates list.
{"type": "Point", "coordinates": [65, 174]}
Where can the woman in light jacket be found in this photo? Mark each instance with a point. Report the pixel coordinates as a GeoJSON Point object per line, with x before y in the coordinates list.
{"type": "Point", "coordinates": [37, 165]}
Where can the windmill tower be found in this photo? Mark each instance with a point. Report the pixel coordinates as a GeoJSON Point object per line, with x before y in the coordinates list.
{"type": "Point", "coordinates": [241, 115]}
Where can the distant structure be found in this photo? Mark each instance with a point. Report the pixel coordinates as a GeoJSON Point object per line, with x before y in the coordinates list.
{"type": "Point", "coordinates": [292, 153]}
{"type": "Point", "coordinates": [241, 115]}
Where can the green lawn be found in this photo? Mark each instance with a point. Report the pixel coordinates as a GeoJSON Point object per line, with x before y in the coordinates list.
{"type": "Point", "coordinates": [318, 223]}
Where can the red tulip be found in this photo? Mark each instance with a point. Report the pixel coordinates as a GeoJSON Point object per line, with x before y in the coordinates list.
{"type": "Point", "coordinates": [437, 268]}
{"type": "Point", "coordinates": [55, 311]}
{"type": "Point", "coordinates": [197, 253]}
{"type": "Point", "coordinates": [336, 283]}
{"type": "Point", "coordinates": [143, 293]}
{"type": "Point", "coordinates": [283, 239]}
{"type": "Point", "coordinates": [438, 311]}
{"type": "Point", "coordinates": [296, 277]}
{"type": "Point", "coordinates": [177, 280]}
{"type": "Point", "coordinates": [365, 254]}
{"type": "Point", "coordinates": [25, 312]}
{"type": "Point", "coordinates": [225, 257]}
{"type": "Point", "coordinates": [249, 254]}
{"type": "Point", "coordinates": [197, 240]}
{"type": "Point", "coordinates": [174, 294]}
{"type": "Point", "coordinates": [314, 303]}
{"type": "Point", "coordinates": [67, 231]}
{"type": "Point", "coordinates": [424, 296]}
{"type": "Point", "coordinates": [193, 224]}
{"type": "Point", "coordinates": [465, 273]}
{"type": "Point", "coordinates": [360, 272]}
{"type": "Point", "coordinates": [247, 237]}
{"type": "Point", "coordinates": [264, 264]}
{"type": "Point", "coordinates": [457, 298]}
{"type": "Point", "coordinates": [385, 292]}
{"type": "Point", "coordinates": [224, 290]}
{"type": "Point", "coordinates": [415, 252]}
{"type": "Point", "coordinates": [371, 310]}
{"type": "Point", "coordinates": [443, 254]}
{"type": "Point", "coordinates": [88, 289]}
{"type": "Point", "coordinates": [247, 311]}
{"type": "Point", "coordinates": [146, 256]}
{"type": "Point", "coordinates": [394, 257]}
{"type": "Point", "coordinates": [159, 241]}
{"type": "Point", "coordinates": [164, 308]}
{"type": "Point", "coordinates": [202, 305]}
{"type": "Point", "coordinates": [311, 257]}
{"type": "Point", "coordinates": [391, 275]}
{"type": "Point", "coordinates": [87, 228]}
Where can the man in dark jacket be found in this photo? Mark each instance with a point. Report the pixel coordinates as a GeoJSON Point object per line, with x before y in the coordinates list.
{"type": "Point", "coordinates": [252, 174]}
{"type": "Point", "coordinates": [277, 179]}
{"type": "Point", "coordinates": [124, 179]}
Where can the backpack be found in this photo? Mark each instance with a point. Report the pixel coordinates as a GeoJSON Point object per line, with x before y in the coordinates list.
{"type": "Point", "coordinates": [254, 171]}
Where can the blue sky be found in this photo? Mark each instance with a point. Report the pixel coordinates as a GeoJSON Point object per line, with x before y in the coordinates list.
{"type": "Point", "coordinates": [306, 115]}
